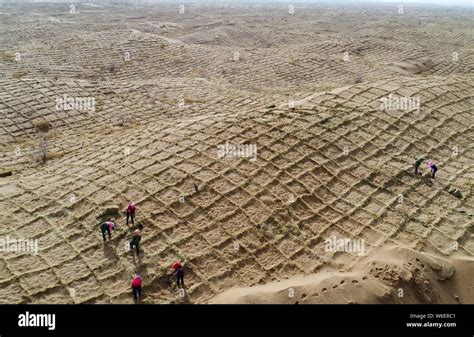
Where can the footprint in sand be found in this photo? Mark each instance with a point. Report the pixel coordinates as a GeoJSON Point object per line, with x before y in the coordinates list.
{"type": "Point", "coordinates": [355, 281]}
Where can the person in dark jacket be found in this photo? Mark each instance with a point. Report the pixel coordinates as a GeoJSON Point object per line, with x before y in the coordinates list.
{"type": "Point", "coordinates": [433, 168]}
{"type": "Point", "coordinates": [136, 240]}
{"type": "Point", "coordinates": [107, 227]}
{"type": "Point", "coordinates": [418, 164]}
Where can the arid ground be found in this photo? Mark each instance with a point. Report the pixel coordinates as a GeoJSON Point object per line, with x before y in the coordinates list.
{"type": "Point", "coordinates": [302, 85]}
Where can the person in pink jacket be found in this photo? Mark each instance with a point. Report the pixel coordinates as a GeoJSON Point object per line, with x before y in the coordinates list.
{"type": "Point", "coordinates": [131, 209]}
{"type": "Point", "coordinates": [107, 227]}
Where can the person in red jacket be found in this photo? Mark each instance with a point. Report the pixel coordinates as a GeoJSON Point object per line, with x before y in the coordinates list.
{"type": "Point", "coordinates": [131, 212]}
{"type": "Point", "coordinates": [137, 287]}
{"type": "Point", "coordinates": [178, 268]}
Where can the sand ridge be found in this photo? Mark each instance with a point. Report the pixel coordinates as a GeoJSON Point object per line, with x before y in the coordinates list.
{"type": "Point", "coordinates": [391, 275]}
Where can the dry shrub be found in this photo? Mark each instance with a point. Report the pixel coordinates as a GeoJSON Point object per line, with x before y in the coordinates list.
{"type": "Point", "coordinates": [41, 125]}
{"type": "Point", "coordinates": [53, 155]}
{"type": "Point", "coordinates": [191, 100]}
{"type": "Point", "coordinates": [43, 150]}
{"type": "Point", "coordinates": [167, 100]}
{"type": "Point", "coordinates": [112, 68]}
{"type": "Point", "coordinates": [52, 134]}
{"type": "Point", "coordinates": [19, 73]}
{"type": "Point", "coordinates": [358, 79]}
{"type": "Point", "coordinates": [357, 50]}
{"type": "Point", "coordinates": [4, 56]}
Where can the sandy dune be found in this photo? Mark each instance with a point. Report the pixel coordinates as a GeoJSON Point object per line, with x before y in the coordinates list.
{"type": "Point", "coordinates": [329, 162]}
{"type": "Point", "coordinates": [388, 275]}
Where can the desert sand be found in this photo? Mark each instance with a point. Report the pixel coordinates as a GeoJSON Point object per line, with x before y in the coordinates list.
{"type": "Point", "coordinates": [304, 88]}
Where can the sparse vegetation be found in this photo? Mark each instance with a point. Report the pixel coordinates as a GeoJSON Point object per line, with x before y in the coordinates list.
{"type": "Point", "coordinates": [191, 100]}
{"type": "Point", "coordinates": [19, 74]}
{"type": "Point", "coordinates": [4, 56]}
{"type": "Point", "coordinates": [42, 127]}
{"type": "Point", "coordinates": [357, 51]}
{"type": "Point", "coordinates": [358, 79]}
{"type": "Point", "coordinates": [167, 100]}
{"type": "Point", "coordinates": [43, 149]}
{"type": "Point", "coordinates": [53, 155]}
{"type": "Point", "coordinates": [112, 68]}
